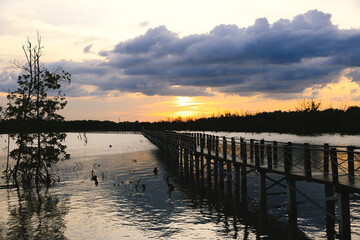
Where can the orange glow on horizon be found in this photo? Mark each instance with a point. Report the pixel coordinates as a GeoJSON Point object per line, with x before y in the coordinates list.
{"type": "Point", "coordinates": [118, 106]}
{"type": "Point", "coordinates": [339, 94]}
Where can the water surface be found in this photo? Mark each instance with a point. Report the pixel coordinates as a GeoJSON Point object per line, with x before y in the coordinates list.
{"type": "Point", "coordinates": [75, 208]}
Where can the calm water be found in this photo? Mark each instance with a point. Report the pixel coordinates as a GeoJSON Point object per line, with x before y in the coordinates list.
{"type": "Point", "coordinates": [77, 209]}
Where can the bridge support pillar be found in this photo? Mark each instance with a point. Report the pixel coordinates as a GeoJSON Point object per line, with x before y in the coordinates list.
{"type": "Point", "coordinates": [191, 161]}
{"type": "Point", "coordinates": [262, 190]}
{"type": "Point", "coordinates": [330, 209]}
{"type": "Point", "coordinates": [208, 161]}
{"type": "Point", "coordinates": [197, 169]}
{"type": "Point", "coordinates": [291, 208]}
{"type": "Point", "coordinates": [237, 180]}
{"type": "Point", "coordinates": [262, 200]}
{"type": "Point", "coordinates": [344, 214]}
{"type": "Point", "coordinates": [208, 170]}
{"type": "Point", "coordinates": [181, 160]}
{"type": "Point", "coordinates": [186, 161]}
{"type": "Point", "coordinates": [221, 173]}
{"type": "Point", "coordinates": [216, 161]}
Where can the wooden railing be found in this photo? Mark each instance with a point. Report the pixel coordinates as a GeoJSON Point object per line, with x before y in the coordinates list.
{"type": "Point", "coordinates": [229, 160]}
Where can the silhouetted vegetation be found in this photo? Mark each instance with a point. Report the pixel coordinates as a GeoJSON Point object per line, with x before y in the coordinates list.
{"type": "Point", "coordinates": [299, 122]}
{"type": "Point", "coordinates": [36, 100]}
{"type": "Point", "coordinates": [306, 121]}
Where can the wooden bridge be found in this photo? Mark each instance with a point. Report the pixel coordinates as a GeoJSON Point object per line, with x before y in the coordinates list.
{"type": "Point", "coordinates": [228, 161]}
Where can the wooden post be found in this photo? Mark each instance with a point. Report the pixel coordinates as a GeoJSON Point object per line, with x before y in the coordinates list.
{"type": "Point", "coordinates": [257, 157]}
{"type": "Point", "coordinates": [186, 160]}
{"type": "Point", "coordinates": [292, 208]}
{"type": "Point", "coordinates": [262, 151]}
{"type": "Point", "coordinates": [216, 160]}
{"type": "Point", "coordinates": [233, 150]}
{"type": "Point", "coordinates": [221, 164]}
{"type": "Point", "coordinates": [224, 148]}
{"type": "Point", "coordinates": [243, 171]}
{"type": "Point", "coordinates": [206, 141]}
{"type": "Point", "coordinates": [197, 162]}
{"type": "Point", "coordinates": [191, 161]}
{"type": "Point", "coordinates": [326, 159]}
{"type": "Point", "coordinates": [208, 161]}
{"type": "Point", "coordinates": [252, 150]}
{"type": "Point", "coordinates": [275, 153]}
{"type": "Point", "coordinates": [202, 143]}
{"type": "Point", "coordinates": [213, 142]}
{"type": "Point", "coordinates": [196, 156]}
{"type": "Point", "coordinates": [262, 190]}
{"type": "Point", "coordinates": [210, 142]}
{"type": "Point", "coordinates": [229, 175]}
{"type": "Point", "coordinates": [330, 209]}
{"type": "Point", "coordinates": [344, 214]}
{"type": "Point", "coordinates": [177, 150]}
{"type": "Point", "coordinates": [242, 143]}
{"type": "Point", "coordinates": [237, 178]}
{"type": "Point", "coordinates": [307, 160]}
{"type": "Point", "coordinates": [236, 167]}
{"type": "Point", "coordinates": [269, 157]}
{"type": "Point", "coordinates": [181, 159]}
{"type": "Point", "coordinates": [221, 173]}
{"type": "Point", "coordinates": [262, 200]}
{"type": "Point", "coordinates": [191, 157]}
{"type": "Point", "coordinates": [291, 153]}
{"type": "Point", "coordinates": [287, 158]}
{"type": "Point", "coordinates": [334, 165]}
{"type": "Point", "coordinates": [351, 171]}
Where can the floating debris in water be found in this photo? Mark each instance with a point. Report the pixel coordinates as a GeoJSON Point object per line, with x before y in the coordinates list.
{"type": "Point", "coordinates": [94, 178]}
{"type": "Point", "coordinates": [137, 184]}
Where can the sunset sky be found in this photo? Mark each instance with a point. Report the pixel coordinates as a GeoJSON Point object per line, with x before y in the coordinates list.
{"type": "Point", "coordinates": [151, 60]}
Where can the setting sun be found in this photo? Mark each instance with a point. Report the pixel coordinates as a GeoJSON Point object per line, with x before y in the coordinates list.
{"type": "Point", "coordinates": [185, 101]}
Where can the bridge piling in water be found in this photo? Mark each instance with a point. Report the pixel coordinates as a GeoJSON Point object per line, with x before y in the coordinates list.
{"type": "Point", "coordinates": [292, 162]}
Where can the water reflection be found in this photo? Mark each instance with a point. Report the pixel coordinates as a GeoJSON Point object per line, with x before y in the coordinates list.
{"type": "Point", "coordinates": [234, 218]}
{"type": "Point", "coordinates": [35, 215]}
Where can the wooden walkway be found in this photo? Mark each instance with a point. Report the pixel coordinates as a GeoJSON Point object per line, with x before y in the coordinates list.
{"type": "Point", "coordinates": [228, 161]}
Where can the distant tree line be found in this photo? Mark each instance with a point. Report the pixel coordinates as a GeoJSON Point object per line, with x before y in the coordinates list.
{"type": "Point", "coordinates": [298, 122]}
{"type": "Point", "coordinates": [10, 126]}
{"type": "Point", "coordinates": [301, 121]}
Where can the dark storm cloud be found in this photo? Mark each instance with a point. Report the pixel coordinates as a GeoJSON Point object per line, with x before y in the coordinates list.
{"type": "Point", "coordinates": [272, 59]}
{"type": "Point", "coordinates": [284, 57]}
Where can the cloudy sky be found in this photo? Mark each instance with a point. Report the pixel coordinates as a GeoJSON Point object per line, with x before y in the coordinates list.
{"type": "Point", "coordinates": [150, 60]}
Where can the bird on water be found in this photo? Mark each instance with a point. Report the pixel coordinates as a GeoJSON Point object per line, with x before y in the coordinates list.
{"type": "Point", "coordinates": [155, 171]}
{"type": "Point", "coordinates": [170, 186]}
